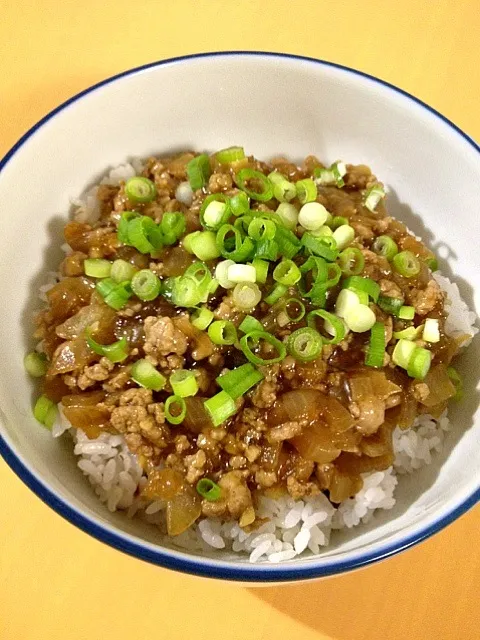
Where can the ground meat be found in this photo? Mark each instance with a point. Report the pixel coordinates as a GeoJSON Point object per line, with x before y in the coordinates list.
{"type": "Point", "coordinates": [195, 464]}
{"type": "Point", "coordinates": [391, 289]}
{"type": "Point", "coordinates": [425, 300]}
{"type": "Point", "coordinates": [135, 419]}
{"type": "Point", "coordinates": [300, 490]}
{"type": "Point", "coordinates": [265, 478]}
{"type": "Point", "coordinates": [136, 397]}
{"type": "Point", "coordinates": [420, 391]}
{"type": "Point", "coordinates": [163, 338]}
{"type": "Point", "coordinates": [95, 373]}
{"type": "Point", "coordinates": [118, 382]}
{"type": "Point", "coordinates": [219, 182]}
{"type": "Point", "coordinates": [238, 495]}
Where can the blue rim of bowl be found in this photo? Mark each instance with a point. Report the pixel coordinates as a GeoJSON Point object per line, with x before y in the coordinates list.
{"type": "Point", "coordinates": [208, 567]}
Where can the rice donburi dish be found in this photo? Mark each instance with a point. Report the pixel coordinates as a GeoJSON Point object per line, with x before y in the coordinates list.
{"type": "Point", "coordinates": [246, 354]}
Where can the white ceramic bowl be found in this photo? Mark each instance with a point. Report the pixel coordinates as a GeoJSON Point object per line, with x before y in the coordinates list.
{"type": "Point", "coordinates": [269, 103]}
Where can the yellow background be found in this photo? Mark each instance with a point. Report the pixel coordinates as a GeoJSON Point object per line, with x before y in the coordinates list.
{"type": "Point", "coordinates": [56, 582]}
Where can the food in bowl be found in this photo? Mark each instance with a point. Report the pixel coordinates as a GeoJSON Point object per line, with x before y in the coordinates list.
{"type": "Point", "coordinates": [246, 353]}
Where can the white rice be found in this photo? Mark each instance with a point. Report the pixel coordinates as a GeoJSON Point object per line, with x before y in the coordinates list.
{"type": "Point", "coordinates": [292, 527]}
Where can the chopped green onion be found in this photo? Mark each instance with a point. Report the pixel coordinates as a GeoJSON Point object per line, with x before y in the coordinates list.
{"type": "Point", "coordinates": [287, 273]}
{"type": "Point", "coordinates": [406, 264]}
{"type": "Point", "coordinates": [333, 175]}
{"type": "Point", "coordinates": [457, 381]}
{"type": "Point", "coordinates": [97, 267]}
{"type": "Point", "coordinates": [406, 313]}
{"type": "Point", "coordinates": [373, 196]}
{"type": "Point", "coordinates": [262, 188]}
{"type": "Point", "coordinates": [338, 221]}
{"type": "Point", "coordinates": [238, 381]}
{"type": "Point", "coordinates": [276, 293]}
{"type": "Point", "coordinates": [172, 226]}
{"type": "Point", "coordinates": [318, 294]}
{"type": "Point", "coordinates": [235, 248]}
{"type": "Point", "coordinates": [293, 316]}
{"type": "Point", "coordinates": [45, 411]}
{"type": "Point", "coordinates": [359, 283]}
{"type": "Point", "coordinates": [288, 214]}
{"type": "Point", "coordinates": [199, 171]}
{"type": "Point", "coordinates": [306, 191]}
{"type": "Point", "coordinates": [305, 344]}
{"type": "Point", "coordinates": [431, 330]}
{"type": "Point", "coordinates": [240, 204]}
{"type": "Point", "coordinates": [410, 333]}
{"type": "Point", "coordinates": [202, 244]}
{"type": "Point", "coordinates": [183, 291]}
{"type": "Point", "coordinates": [175, 409]}
{"type": "Point", "coordinates": [122, 271]}
{"type": "Point", "coordinates": [246, 295]}
{"type": "Point", "coordinates": [386, 247]}
{"type": "Point", "coordinates": [145, 285]}
{"type": "Point", "coordinates": [36, 364]}
{"type": "Point", "coordinates": [376, 347]}
{"type": "Point", "coordinates": [324, 230]}
{"type": "Point", "coordinates": [283, 190]}
{"type": "Point", "coordinates": [432, 263]}
{"type": "Point", "coordinates": [222, 332]}
{"type": "Point", "coordinates": [261, 270]}
{"type": "Point", "coordinates": [312, 216]}
{"type": "Point", "coordinates": [209, 490]}
{"type": "Point", "coordinates": [140, 189]}
{"type": "Point", "coordinates": [122, 229]}
{"type": "Point", "coordinates": [115, 352]}
{"type": "Point", "coordinates": [220, 407]}
{"type": "Point", "coordinates": [144, 235]}
{"type": "Point", "coordinates": [324, 246]}
{"type": "Point", "coordinates": [351, 261]}
{"type": "Point", "coordinates": [288, 243]}
{"type": "Point", "coordinates": [339, 170]}
{"type": "Point", "coordinates": [261, 229]}
{"type": "Point", "coordinates": [344, 235]}
{"type": "Point", "coordinates": [221, 274]}
{"type": "Point", "coordinates": [144, 373]}
{"type": "Point", "coordinates": [347, 299]}
{"type": "Point", "coordinates": [241, 273]}
{"type": "Point", "coordinates": [201, 318]}
{"type": "Point", "coordinates": [184, 383]}
{"type": "Point", "coordinates": [403, 352]}
{"type": "Point", "coordinates": [215, 211]}
{"type": "Point", "coordinates": [249, 323]}
{"type": "Point", "coordinates": [389, 304]}
{"type": "Point", "coordinates": [334, 275]}
{"type": "Point", "coordinates": [113, 294]}
{"type": "Point", "coordinates": [230, 154]}
{"type": "Point", "coordinates": [267, 250]}
{"type": "Point", "coordinates": [335, 325]}
{"type": "Point", "coordinates": [255, 336]}
{"type": "Point", "coordinates": [419, 364]}
{"type": "Point", "coordinates": [360, 318]}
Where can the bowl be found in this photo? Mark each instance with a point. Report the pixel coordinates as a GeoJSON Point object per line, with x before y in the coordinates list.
{"type": "Point", "coordinates": [271, 104]}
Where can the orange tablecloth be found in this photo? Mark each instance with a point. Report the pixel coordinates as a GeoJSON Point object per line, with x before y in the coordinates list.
{"type": "Point", "coordinates": [56, 582]}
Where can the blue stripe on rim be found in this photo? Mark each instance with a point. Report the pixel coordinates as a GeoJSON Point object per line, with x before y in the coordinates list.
{"type": "Point", "coordinates": [208, 567]}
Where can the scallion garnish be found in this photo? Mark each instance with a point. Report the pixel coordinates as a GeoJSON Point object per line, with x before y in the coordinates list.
{"type": "Point", "coordinates": [359, 283]}
{"type": "Point", "coordinates": [332, 324]}
{"type": "Point", "coordinates": [419, 364]}
{"type": "Point", "coordinates": [202, 244]}
{"type": "Point", "coordinates": [406, 312]}
{"type": "Point", "coordinates": [389, 304]}
{"type": "Point", "coordinates": [312, 216]}
{"type": "Point", "coordinates": [97, 267]}
{"type": "Point", "coordinates": [323, 246]}
{"type": "Point", "coordinates": [351, 261]}
{"type": "Point", "coordinates": [36, 364]}
{"type": "Point", "coordinates": [222, 332]}
{"type": "Point", "coordinates": [239, 204]}
{"type": "Point", "coordinates": [256, 337]}
{"type": "Point", "coordinates": [122, 271]}
{"type": "Point", "coordinates": [246, 295]}
{"type": "Point", "coordinates": [140, 189]}
{"type": "Point", "coordinates": [254, 184]}
{"type": "Point", "coordinates": [220, 407]}
{"type": "Point", "coordinates": [237, 382]}
{"type": "Point", "coordinates": [305, 344]}
{"type": "Point", "coordinates": [376, 347]}
{"type": "Point", "coordinates": [199, 171]}
{"type": "Point", "coordinates": [215, 211]}
{"type": "Point", "coordinates": [172, 226]}
{"type": "Point", "coordinates": [144, 373]}
{"type": "Point", "coordinates": [145, 285]}
{"type": "Point", "coordinates": [209, 490]}
{"type": "Point", "coordinates": [406, 264]}
{"type": "Point", "coordinates": [184, 383]}
{"type": "Point", "coordinates": [45, 411]}
{"type": "Point", "coordinates": [249, 323]}
{"type": "Point", "coordinates": [116, 295]}
{"type": "Point", "coordinates": [232, 245]}
{"type": "Point", "coordinates": [344, 235]}
{"type": "Point", "coordinates": [306, 192]}
{"type": "Point", "coordinates": [373, 196]}
{"type": "Point", "coordinates": [276, 293]}
{"type": "Point", "coordinates": [457, 381]}
{"type": "Point", "coordinates": [115, 352]}
{"type": "Point", "coordinates": [201, 318]}
{"type": "Point", "coordinates": [386, 247]}
{"type": "Point", "coordinates": [175, 409]}
{"type": "Point", "coordinates": [287, 273]}
{"type": "Point", "coordinates": [261, 229]}
{"type": "Point", "coordinates": [231, 154]}
{"type": "Point", "coordinates": [261, 270]}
